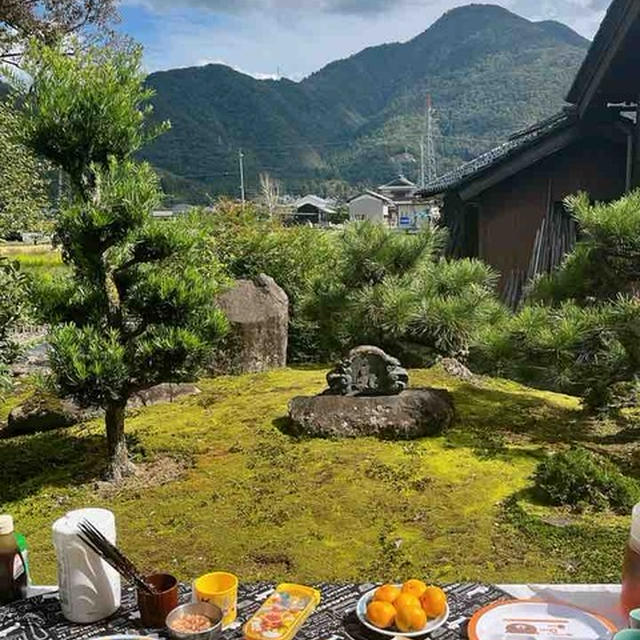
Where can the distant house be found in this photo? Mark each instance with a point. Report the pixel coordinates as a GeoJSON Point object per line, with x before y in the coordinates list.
{"type": "Point", "coordinates": [313, 210]}
{"type": "Point", "coordinates": [396, 204]}
{"type": "Point", "coordinates": [506, 206]}
{"type": "Point", "coordinates": [372, 206]}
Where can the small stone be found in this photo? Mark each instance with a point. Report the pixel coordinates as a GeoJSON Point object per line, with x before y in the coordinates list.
{"type": "Point", "coordinates": [165, 392]}
{"type": "Point", "coordinates": [41, 412]}
{"type": "Point", "coordinates": [456, 369]}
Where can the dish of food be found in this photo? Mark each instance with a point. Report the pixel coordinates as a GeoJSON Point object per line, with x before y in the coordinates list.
{"type": "Point", "coordinates": [192, 623]}
{"type": "Point", "coordinates": [410, 609]}
{"type": "Point", "coordinates": [537, 620]}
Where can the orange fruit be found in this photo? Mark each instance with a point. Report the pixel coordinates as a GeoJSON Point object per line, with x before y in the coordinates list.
{"type": "Point", "coordinates": [381, 614]}
{"type": "Point", "coordinates": [414, 587]}
{"type": "Point", "coordinates": [406, 600]}
{"type": "Point", "coordinates": [410, 618]}
{"type": "Point", "coordinates": [387, 593]}
{"type": "Point", "coordinates": [434, 601]}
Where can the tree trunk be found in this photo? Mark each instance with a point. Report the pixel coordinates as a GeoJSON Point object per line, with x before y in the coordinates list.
{"type": "Point", "coordinates": [119, 464]}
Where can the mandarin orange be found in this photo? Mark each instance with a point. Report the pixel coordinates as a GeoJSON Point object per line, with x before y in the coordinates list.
{"type": "Point", "coordinates": [414, 587]}
{"type": "Point", "coordinates": [434, 601]}
{"type": "Point", "coordinates": [381, 614]}
{"type": "Point", "coordinates": [387, 593]}
{"type": "Point", "coordinates": [410, 618]}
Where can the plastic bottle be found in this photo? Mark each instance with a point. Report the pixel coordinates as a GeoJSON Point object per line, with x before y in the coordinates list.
{"type": "Point", "coordinates": [630, 596]}
{"type": "Point", "coordinates": [13, 572]}
{"type": "Point", "coordinates": [24, 550]}
{"type": "Point", "coordinates": [89, 589]}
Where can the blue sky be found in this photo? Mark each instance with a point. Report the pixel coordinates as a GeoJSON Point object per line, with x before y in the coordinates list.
{"type": "Point", "coordinates": [296, 37]}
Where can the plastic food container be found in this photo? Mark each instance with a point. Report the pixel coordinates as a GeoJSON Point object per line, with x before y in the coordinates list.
{"type": "Point", "coordinates": [283, 613]}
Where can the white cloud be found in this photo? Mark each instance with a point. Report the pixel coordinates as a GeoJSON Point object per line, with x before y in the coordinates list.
{"type": "Point", "coordinates": [292, 38]}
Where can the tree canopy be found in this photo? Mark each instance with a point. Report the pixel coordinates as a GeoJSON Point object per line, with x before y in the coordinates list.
{"type": "Point", "coordinates": [50, 21]}
{"type": "Point", "coordinates": [138, 306]}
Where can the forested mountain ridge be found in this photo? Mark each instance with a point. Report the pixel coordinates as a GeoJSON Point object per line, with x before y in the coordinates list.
{"type": "Point", "coordinates": [358, 121]}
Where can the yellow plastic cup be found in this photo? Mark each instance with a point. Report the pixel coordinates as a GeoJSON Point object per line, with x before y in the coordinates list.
{"type": "Point", "coordinates": [221, 589]}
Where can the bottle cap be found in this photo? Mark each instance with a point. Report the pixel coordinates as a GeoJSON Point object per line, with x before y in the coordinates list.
{"type": "Point", "coordinates": [6, 525]}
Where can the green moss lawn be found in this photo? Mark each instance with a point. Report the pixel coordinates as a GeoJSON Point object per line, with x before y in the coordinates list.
{"type": "Point", "coordinates": [220, 486]}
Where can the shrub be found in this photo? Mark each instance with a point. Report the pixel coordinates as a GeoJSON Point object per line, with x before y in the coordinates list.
{"type": "Point", "coordinates": [578, 478]}
{"type": "Point", "coordinates": [13, 306]}
{"type": "Point", "coordinates": [396, 291]}
{"type": "Point", "coordinates": [580, 331]}
{"type": "Point", "coordinates": [248, 245]}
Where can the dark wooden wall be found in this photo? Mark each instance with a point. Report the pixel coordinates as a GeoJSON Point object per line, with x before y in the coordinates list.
{"type": "Point", "coordinates": [510, 213]}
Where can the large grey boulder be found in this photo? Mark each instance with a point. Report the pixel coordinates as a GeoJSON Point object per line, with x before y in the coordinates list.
{"type": "Point", "coordinates": [414, 413]}
{"type": "Point", "coordinates": [258, 312]}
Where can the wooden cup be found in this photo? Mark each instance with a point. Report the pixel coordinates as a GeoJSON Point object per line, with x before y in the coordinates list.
{"type": "Point", "coordinates": [155, 608]}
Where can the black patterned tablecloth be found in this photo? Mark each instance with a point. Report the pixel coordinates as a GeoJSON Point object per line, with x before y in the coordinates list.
{"type": "Point", "coordinates": [40, 618]}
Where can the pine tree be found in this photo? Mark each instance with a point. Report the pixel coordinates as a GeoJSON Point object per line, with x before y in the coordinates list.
{"type": "Point", "coordinates": [137, 308]}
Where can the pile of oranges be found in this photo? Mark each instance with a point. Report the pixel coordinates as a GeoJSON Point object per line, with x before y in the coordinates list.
{"type": "Point", "coordinates": [408, 607]}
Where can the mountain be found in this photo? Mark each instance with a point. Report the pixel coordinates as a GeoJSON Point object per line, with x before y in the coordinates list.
{"type": "Point", "coordinates": [357, 122]}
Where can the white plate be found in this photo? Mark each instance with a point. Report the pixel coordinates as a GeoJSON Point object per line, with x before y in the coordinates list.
{"type": "Point", "coordinates": [432, 625]}
{"type": "Point", "coordinates": [537, 620]}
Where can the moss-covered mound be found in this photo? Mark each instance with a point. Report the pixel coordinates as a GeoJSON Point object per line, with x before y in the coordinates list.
{"type": "Point", "coordinates": [221, 486]}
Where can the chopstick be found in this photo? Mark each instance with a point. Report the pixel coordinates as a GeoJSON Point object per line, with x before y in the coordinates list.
{"type": "Point", "coordinates": [98, 543]}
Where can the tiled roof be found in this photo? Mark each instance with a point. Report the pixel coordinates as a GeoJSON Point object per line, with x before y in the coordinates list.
{"type": "Point", "coordinates": [400, 181]}
{"type": "Point", "coordinates": [316, 201]}
{"type": "Point", "coordinates": [517, 143]}
{"type": "Point", "coordinates": [373, 194]}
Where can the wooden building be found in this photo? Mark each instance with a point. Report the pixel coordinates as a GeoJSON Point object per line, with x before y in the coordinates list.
{"type": "Point", "coordinates": [313, 210]}
{"type": "Point", "coordinates": [506, 206]}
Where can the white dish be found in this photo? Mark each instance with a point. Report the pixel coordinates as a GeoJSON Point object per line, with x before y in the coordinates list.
{"type": "Point", "coordinates": [537, 620]}
{"type": "Point", "coordinates": [432, 625]}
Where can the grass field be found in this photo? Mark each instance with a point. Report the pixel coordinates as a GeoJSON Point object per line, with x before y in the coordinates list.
{"type": "Point", "coordinates": [220, 486]}
{"type": "Point", "coordinates": [40, 258]}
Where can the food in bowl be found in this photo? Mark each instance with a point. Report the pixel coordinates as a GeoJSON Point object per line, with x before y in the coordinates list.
{"type": "Point", "coordinates": [406, 608]}
{"type": "Point", "coordinates": [192, 623]}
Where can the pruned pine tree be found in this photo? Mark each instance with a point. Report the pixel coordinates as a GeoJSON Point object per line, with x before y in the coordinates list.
{"type": "Point", "coordinates": [137, 308]}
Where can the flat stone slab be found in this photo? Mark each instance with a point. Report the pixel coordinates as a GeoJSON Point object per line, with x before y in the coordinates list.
{"type": "Point", "coordinates": [414, 413]}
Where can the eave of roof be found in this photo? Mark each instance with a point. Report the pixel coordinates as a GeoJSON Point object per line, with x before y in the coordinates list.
{"type": "Point", "coordinates": [619, 11]}
{"type": "Point", "coordinates": [373, 194]}
{"type": "Point", "coordinates": [398, 183]}
{"type": "Point", "coordinates": [518, 143]}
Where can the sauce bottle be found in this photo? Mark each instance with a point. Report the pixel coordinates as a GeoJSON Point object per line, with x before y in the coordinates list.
{"type": "Point", "coordinates": [13, 572]}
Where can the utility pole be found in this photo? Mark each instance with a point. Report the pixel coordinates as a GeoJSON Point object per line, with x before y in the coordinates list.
{"type": "Point", "coordinates": [422, 165]}
{"type": "Point", "coordinates": [241, 162]}
{"type": "Point", "coordinates": [432, 170]}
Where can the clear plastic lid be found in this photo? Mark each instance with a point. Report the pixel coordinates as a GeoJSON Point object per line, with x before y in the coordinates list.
{"type": "Point", "coordinates": [283, 613]}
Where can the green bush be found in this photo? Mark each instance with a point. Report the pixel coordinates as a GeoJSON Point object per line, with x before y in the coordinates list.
{"type": "Point", "coordinates": [579, 332]}
{"type": "Point", "coordinates": [578, 478]}
{"type": "Point", "coordinates": [583, 351]}
{"type": "Point", "coordinates": [248, 244]}
{"type": "Point", "coordinates": [396, 291]}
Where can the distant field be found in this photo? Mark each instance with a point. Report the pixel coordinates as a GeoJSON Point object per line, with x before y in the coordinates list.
{"type": "Point", "coordinates": [34, 258]}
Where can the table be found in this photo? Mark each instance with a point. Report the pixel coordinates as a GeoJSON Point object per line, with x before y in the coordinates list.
{"type": "Point", "coordinates": [39, 617]}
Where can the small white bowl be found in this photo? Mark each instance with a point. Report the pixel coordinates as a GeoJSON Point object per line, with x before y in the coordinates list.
{"type": "Point", "coordinates": [432, 624]}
